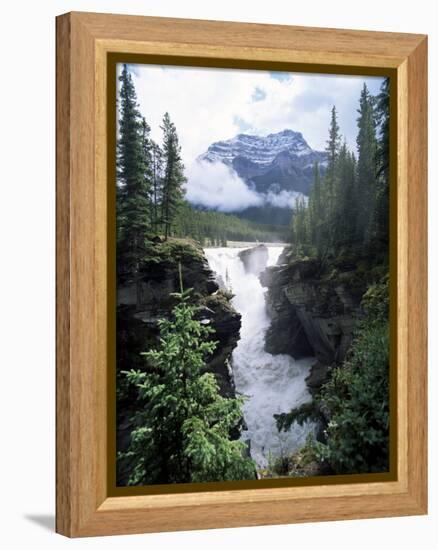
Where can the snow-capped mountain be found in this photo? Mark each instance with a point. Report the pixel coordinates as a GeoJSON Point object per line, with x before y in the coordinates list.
{"type": "Point", "coordinates": [276, 162]}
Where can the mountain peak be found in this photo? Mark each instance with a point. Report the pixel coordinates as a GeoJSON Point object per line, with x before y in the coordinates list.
{"type": "Point", "coordinates": [283, 158]}
{"type": "Point", "coordinates": [287, 132]}
{"type": "Point", "coordinates": [260, 150]}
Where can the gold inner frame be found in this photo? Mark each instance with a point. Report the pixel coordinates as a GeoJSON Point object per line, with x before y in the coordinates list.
{"type": "Point", "coordinates": [397, 419]}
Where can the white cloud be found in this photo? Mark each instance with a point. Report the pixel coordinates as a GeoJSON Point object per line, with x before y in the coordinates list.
{"type": "Point", "coordinates": [284, 198]}
{"type": "Point", "coordinates": [218, 187]}
{"type": "Point", "coordinates": [208, 105]}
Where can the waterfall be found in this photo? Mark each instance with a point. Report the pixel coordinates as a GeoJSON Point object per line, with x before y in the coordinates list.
{"type": "Point", "coordinates": [273, 383]}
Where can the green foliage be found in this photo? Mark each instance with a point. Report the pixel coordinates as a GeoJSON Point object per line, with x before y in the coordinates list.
{"type": "Point", "coordinates": [150, 192]}
{"type": "Point", "coordinates": [347, 201]}
{"type": "Point", "coordinates": [354, 403]}
{"type": "Point", "coordinates": [332, 149]}
{"type": "Point", "coordinates": [150, 181]}
{"type": "Point", "coordinates": [133, 178]}
{"type": "Point", "coordinates": [302, 414]}
{"type": "Point", "coordinates": [216, 228]}
{"type": "Point", "coordinates": [299, 227]}
{"type": "Point", "coordinates": [375, 301]}
{"type": "Point", "coordinates": [171, 252]}
{"type": "Point", "coordinates": [302, 463]}
{"type": "Point", "coordinates": [157, 167]}
{"type": "Point", "coordinates": [381, 214]}
{"type": "Point", "coordinates": [366, 164]}
{"type": "Point", "coordinates": [349, 207]}
{"type": "Point", "coordinates": [183, 425]}
{"type": "Point", "coordinates": [173, 179]}
{"type": "Point", "coordinates": [357, 401]}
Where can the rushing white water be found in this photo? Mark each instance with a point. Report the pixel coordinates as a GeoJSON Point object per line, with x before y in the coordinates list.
{"type": "Point", "coordinates": [273, 383]}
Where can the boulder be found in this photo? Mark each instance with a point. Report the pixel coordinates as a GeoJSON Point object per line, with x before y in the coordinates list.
{"type": "Point", "coordinates": [254, 259]}
{"type": "Point", "coordinates": [311, 313]}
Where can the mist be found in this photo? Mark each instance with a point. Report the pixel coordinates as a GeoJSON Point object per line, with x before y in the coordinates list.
{"type": "Point", "coordinates": [218, 187]}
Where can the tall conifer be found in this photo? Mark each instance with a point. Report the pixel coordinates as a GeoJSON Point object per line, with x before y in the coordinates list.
{"type": "Point", "coordinates": [133, 180]}
{"type": "Point", "coordinates": [183, 428]}
{"type": "Point", "coordinates": [174, 179]}
{"type": "Point", "coordinates": [366, 164]}
{"type": "Point", "coordinates": [332, 149]}
{"type": "Point", "coordinates": [382, 194]}
{"type": "Point", "coordinates": [157, 185]}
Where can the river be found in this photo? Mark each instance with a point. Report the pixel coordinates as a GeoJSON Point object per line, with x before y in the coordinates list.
{"type": "Point", "coordinates": [272, 383]}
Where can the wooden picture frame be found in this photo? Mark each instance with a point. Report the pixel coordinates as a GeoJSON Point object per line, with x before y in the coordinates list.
{"type": "Point", "coordinates": [85, 505]}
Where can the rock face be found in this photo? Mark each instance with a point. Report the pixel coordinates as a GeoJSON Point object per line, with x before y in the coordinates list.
{"type": "Point", "coordinates": [141, 304]}
{"type": "Point", "coordinates": [286, 333]}
{"type": "Point", "coordinates": [281, 161]}
{"type": "Point", "coordinates": [225, 320]}
{"type": "Point", "coordinates": [254, 259]}
{"type": "Point", "coordinates": [151, 297]}
{"type": "Point", "coordinates": [312, 314]}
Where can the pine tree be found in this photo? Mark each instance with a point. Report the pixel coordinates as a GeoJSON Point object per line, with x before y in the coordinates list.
{"type": "Point", "coordinates": [332, 149]}
{"type": "Point", "coordinates": [157, 185]}
{"type": "Point", "coordinates": [173, 190]}
{"type": "Point", "coordinates": [330, 184]}
{"type": "Point", "coordinates": [183, 428]}
{"type": "Point", "coordinates": [133, 180]}
{"type": "Point", "coordinates": [366, 164]}
{"type": "Point", "coordinates": [298, 226]}
{"type": "Point", "coordinates": [345, 210]}
{"type": "Point", "coordinates": [381, 228]}
{"type": "Point", "coordinates": [316, 210]}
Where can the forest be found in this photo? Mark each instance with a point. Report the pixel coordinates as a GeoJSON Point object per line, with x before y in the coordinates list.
{"type": "Point", "coordinates": [350, 207]}
{"type": "Point", "coordinates": [152, 193]}
{"type": "Point", "coordinates": [344, 228]}
{"type": "Point", "coordinates": [182, 427]}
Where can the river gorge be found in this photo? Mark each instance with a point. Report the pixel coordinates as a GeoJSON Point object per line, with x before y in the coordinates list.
{"type": "Point", "coordinates": [273, 384]}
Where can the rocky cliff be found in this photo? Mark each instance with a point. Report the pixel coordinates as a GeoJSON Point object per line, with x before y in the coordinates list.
{"type": "Point", "coordinates": [313, 311]}
{"type": "Point", "coordinates": [140, 305]}
{"type": "Point", "coordinates": [254, 259]}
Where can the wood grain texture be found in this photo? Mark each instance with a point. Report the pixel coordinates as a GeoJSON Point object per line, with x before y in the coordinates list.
{"type": "Point", "coordinates": [417, 274]}
{"type": "Point", "coordinates": [83, 42]}
{"type": "Point", "coordinates": [63, 410]}
{"type": "Point", "coordinates": [239, 39]}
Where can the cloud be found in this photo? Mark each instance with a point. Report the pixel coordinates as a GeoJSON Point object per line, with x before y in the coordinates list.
{"type": "Point", "coordinates": [209, 105]}
{"type": "Point", "coordinates": [283, 199]}
{"type": "Point", "coordinates": [258, 95]}
{"type": "Point", "coordinates": [218, 187]}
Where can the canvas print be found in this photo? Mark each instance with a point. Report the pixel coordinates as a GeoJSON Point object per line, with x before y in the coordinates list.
{"type": "Point", "coordinates": [252, 272]}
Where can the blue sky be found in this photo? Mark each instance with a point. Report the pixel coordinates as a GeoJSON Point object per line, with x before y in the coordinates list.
{"type": "Point", "coordinates": [208, 105]}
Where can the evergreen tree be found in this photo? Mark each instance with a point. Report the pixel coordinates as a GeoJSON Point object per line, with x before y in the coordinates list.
{"type": "Point", "coordinates": [345, 211]}
{"type": "Point", "coordinates": [133, 180]}
{"type": "Point", "coordinates": [173, 190]}
{"type": "Point", "coordinates": [332, 149]}
{"type": "Point", "coordinates": [213, 226]}
{"type": "Point", "coordinates": [183, 428]}
{"type": "Point", "coordinates": [157, 185]}
{"type": "Point", "coordinates": [356, 398]}
{"type": "Point", "coordinates": [382, 194]}
{"type": "Point", "coordinates": [316, 211]}
{"type": "Point", "coordinates": [328, 222]}
{"type": "Point", "coordinates": [299, 226]}
{"type": "Point", "coordinates": [366, 164]}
